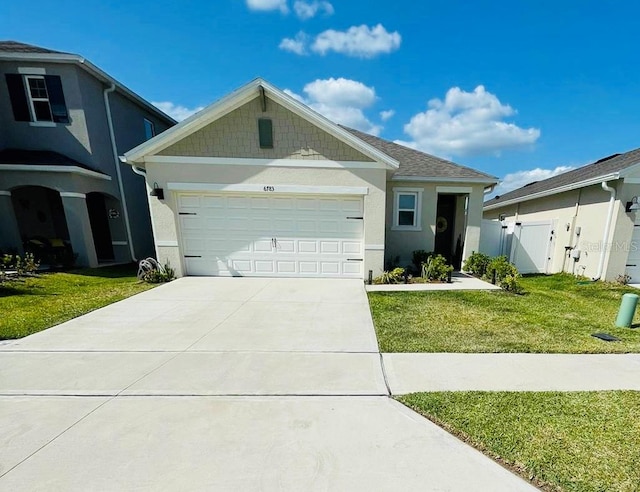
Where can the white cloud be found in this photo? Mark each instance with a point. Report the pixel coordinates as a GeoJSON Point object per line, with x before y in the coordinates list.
{"type": "Point", "coordinates": [467, 123]}
{"type": "Point", "coordinates": [297, 45]}
{"type": "Point", "coordinates": [176, 111]}
{"type": "Point", "coordinates": [342, 101]}
{"type": "Point", "coordinates": [267, 5]}
{"type": "Point", "coordinates": [306, 10]}
{"type": "Point", "coordinates": [518, 179]}
{"type": "Point", "coordinates": [386, 115]}
{"type": "Point", "coordinates": [357, 41]}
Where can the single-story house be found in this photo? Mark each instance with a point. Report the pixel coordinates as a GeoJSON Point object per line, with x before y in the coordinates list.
{"type": "Point", "coordinates": [259, 184]}
{"type": "Point", "coordinates": [590, 216]}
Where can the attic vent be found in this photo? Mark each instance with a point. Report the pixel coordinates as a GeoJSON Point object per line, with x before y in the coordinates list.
{"type": "Point", "coordinates": [265, 133]}
{"type": "Point", "coordinates": [606, 158]}
{"type": "Point", "coordinates": [529, 184]}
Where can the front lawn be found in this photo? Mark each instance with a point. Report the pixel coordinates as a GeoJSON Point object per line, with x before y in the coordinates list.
{"type": "Point", "coordinates": [558, 314]}
{"type": "Point", "coordinates": [585, 441]}
{"type": "Point", "coordinates": [35, 303]}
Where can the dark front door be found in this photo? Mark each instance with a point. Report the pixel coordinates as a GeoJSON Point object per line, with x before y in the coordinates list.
{"type": "Point", "coordinates": [445, 218]}
{"type": "Point", "coordinates": [100, 226]}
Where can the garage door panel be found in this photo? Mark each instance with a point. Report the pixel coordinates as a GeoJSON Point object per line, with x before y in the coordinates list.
{"type": "Point", "coordinates": [329, 247]}
{"type": "Point", "coordinates": [234, 235]}
{"type": "Point", "coordinates": [352, 248]}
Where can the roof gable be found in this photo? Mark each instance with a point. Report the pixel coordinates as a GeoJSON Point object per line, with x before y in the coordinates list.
{"type": "Point", "coordinates": [239, 98]}
{"type": "Point", "coordinates": [235, 135]}
{"type": "Point", "coordinates": [608, 168]}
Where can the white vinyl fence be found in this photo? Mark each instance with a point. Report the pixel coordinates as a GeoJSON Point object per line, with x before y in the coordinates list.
{"type": "Point", "coordinates": [528, 245]}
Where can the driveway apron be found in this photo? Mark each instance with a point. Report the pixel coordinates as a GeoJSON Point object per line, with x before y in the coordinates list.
{"type": "Point", "coordinates": [221, 384]}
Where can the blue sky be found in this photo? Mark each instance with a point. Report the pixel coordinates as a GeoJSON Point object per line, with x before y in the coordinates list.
{"type": "Point", "coordinates": [515, 89]}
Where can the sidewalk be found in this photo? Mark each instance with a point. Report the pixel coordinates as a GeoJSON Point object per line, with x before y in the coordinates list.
{"type": "Point", "coordinates": [410, 372]}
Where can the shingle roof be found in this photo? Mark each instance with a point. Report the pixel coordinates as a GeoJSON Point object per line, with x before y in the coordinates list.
{"type": "Point", "coordinates": [38, 158]}
{"type": "Point", "coordinates": [602, 167]}
{"type": "Point", "coordinates": [416, 163]}
{"type": "Point", "coordinates": [15, 47]}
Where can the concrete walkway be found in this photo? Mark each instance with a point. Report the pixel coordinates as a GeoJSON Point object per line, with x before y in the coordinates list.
{"type": "Point", "coordinates": [409, 373]}
{"type": "Point", "coordinates": [221, 384]}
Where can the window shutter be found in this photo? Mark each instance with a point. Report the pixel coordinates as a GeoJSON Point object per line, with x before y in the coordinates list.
{"type": "Point", "coordinates": [18, 97]}
{"type": "Point", "coordinates": [265, 132]}
{"type": "Point", "coordinates": [56, 99]}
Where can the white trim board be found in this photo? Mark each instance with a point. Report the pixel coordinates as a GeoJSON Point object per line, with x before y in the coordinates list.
{"type": "Point", "coordinates": [269, 188]}
{"type": "Point", "coordinates": [454, 189]}
{"type": "Point", "coordinates": [235, 161]}
{"type": "Point", "coordinates": [429, 179]}
{"type": "Point", "coordinates": [54, 169]}
{"type": "Point", "coordinates": [71, 194]}
{"type": "Point", "coordinates": [167, 244]}
{"type": "Point", "coordinates": [554, 191]}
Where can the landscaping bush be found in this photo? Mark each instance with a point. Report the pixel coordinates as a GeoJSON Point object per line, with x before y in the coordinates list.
{"type": "Point", "coordinates": [506, 273]}
{"type": "Point", "coordinates": [23, 266]}
{"type": "Point", "coordinates": [436, 268]}
{"type": "Point", "coordinates": [395, 276]}
{"type": "Point", "coordinates": [419, 257]}
{"type": "Point", "coordinates": [477, 264]}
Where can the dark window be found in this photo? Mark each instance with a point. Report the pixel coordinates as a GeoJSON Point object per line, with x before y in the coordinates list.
{"type": "Point", "coordinates": [265, 132]}
{"type": "Point", "coordinates": [149, 129]}
{"type": "Point", "coordinates": [37, 98]}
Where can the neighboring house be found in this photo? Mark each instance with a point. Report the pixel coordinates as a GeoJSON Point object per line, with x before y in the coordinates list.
{"type": "Point", "coordinates": [258, 184]}
{"type": "Point", "coordinates": [63, 123]}
{"type": "Point", "coordinates": [585, 221]}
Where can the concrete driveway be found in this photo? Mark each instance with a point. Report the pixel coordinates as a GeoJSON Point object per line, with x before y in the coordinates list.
{"type": "Point", "coordinates": [221, 384]}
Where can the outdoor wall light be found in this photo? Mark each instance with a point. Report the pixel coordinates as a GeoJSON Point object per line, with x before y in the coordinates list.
{"type": "Point", "coordinates": [633, 205]}
{"type": "Point", "coordinates": [157, 192]}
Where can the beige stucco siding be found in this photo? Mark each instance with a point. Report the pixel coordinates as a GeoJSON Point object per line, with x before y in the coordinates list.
{"type": "Point", "coordinates": [586, 209]}
{"type": "Point", "coordinates": [236, 135]}
{"type": "Point", "coordinates": [164, 212]}
{"type": "Point", "coordinates": [402, 244]}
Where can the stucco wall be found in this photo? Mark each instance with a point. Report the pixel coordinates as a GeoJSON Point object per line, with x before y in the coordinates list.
{"type": "Point", "coordinates": [236, 135]}
{"type": "Point", "coordinates": [586, 209]}
{"type": "Point", "coordinates": [402, 243]}
{"type": "Point", "coordinates": [164, 212]}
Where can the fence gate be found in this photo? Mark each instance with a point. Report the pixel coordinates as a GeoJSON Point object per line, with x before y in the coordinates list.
{"type": "Point", "coordinates": [532, 246]}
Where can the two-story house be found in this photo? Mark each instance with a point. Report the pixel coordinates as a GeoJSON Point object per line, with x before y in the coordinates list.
{"type": "Point", "coordinates": [63, 124]}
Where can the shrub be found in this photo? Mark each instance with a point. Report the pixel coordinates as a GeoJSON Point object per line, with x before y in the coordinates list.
{"type": "Point", "coordinates": [476, 264]}
{"type": "Point", "coordinates": [436, 268]}
{"type": "Point", "coordinates": [152, 272]}
{"type": "Point", "coordinates": [395, 276]}
{"type": "Point", "coordinates": [419, 257]}
{"type": "Point", "coordinates": [507, 275]}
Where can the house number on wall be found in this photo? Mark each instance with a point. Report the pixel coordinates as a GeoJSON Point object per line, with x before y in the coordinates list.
{"type": "Point", "coordinates": [269, 188]}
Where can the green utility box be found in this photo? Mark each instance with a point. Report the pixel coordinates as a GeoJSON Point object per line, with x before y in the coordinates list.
{"type": "Point", "coordinates": [627, 310]}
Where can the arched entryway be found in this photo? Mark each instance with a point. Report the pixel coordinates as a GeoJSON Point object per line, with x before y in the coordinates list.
{"type": "Point", "coordinates": [40, 216]}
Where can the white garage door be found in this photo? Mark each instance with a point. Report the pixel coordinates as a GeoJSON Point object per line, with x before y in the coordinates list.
{"type": "Point", "coordinates": [276, 235]}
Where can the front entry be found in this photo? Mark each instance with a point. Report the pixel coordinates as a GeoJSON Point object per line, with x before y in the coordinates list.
{"type": "Point", "coordinates": [445, 226]}
{"type": "Point", "coordinates": [100, 226]}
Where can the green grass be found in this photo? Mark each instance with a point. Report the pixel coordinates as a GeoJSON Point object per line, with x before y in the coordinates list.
{"type": "Point", "coordinates": [34, 304]}
{"type": "Point", "coordinates": [556, 315]}
{"type": "Point", "coordinates": [588, 441]}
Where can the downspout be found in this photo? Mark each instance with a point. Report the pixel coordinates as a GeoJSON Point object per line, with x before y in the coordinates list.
{"type": "Point", "coordinates": [114, 149]}
{"type": "Point", "coordinates": [607, 226]}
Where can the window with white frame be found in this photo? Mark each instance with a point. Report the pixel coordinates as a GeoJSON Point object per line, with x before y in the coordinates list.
{"type": "Point", "coordinates": [37, 98]}
{"type": "Point", "coordinates": [149, 129]}
{"type": "Point", "coordinates": [406, 210]}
